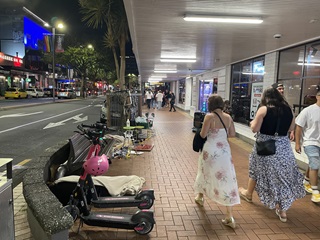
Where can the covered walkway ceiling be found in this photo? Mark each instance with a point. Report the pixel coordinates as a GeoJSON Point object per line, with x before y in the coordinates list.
{"type": "Point", "coordinates": [158, 30]}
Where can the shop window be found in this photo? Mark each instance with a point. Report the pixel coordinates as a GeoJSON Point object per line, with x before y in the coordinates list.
{"type": "Point", "coordinates": [236, 73]}
{"type": "Point", "coordinates": [182, 91]}
{"type": "Point", "coordinates": [241, 96]}
{"type": "Point", "coordinates": [244, 75]}
{"type": "Point", "coordinates": [306, 88]}
{"type": "Point", "coordinates": [312, 60]}
{"type": "Point", "coordinates": [310, 88]}
{"type": "Point", "coordinates": [290, 64]}
{"type": "Point", "coordinates": [292, 90]}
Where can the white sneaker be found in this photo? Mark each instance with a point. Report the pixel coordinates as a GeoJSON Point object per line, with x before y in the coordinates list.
{"type": "Point", "coordinates": [307, 187]}
{"type": "Point", "coordinates": [315, 197]}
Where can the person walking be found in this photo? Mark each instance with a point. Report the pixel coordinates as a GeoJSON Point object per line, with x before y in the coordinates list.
{"type": "Point", "coordinates": [276, 178]}
{"type": "Point", "coordinates": [216, 177]}
{"type": "Point", "coordinates": [172, 101]}
{"type": "Point", "coordinates": [149, 96]}
{"type": "Point", "coordinates": [308, 130]}
{"type": "Point", "coordinates": [159, 98]}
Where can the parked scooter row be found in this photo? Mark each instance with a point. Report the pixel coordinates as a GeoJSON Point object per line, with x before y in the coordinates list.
{"type": "Point", "coordinates": [141, 222]}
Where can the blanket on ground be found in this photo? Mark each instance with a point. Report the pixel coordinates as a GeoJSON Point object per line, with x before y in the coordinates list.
{"type": "Point", "coordinates": [116, 186]}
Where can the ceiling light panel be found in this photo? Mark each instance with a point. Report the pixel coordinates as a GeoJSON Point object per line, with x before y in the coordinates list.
{"type": "Point", "coordinates": [222, 19]}
{"type": "Point", "coordinates": [178, 60]}
{"type": "Point", "coordinates": [165, 71]}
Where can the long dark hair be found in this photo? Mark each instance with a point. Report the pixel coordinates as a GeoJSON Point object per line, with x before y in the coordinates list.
{"type": "Point", "coordinates": [272, 97]}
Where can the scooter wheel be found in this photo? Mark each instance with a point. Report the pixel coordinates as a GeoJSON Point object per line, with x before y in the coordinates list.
{"type": "Point", "coordinates": [144, 227]}
{"type": "Point", "coordinates": [146, 203]}
{"type": "Point", "coordinates": [73, 210]}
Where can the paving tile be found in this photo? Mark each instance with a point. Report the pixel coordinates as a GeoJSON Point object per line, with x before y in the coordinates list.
{"type": "Point", "coordinates": [170, 169]}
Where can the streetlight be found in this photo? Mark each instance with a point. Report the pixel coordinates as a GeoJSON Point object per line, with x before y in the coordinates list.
{"type": "Point", "coordinates": [60, 25]}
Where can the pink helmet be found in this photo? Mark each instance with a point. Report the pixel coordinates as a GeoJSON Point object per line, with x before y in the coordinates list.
{"type": "Point", "coordinates": [96, 165]}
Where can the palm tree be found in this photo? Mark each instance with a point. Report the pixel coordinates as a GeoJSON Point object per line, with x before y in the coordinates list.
{"type": "Point", "coordinates": [112, 15]}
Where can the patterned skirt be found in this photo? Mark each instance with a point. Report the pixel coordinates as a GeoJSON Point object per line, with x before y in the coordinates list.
{"type": "Point", "coordinates": [279, 181]}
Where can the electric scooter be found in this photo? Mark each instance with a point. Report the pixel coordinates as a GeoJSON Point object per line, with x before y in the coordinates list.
{"type": "Point", "coordinates": [143, 200]}
{"type": "Point", "coordinates": [141, 222]}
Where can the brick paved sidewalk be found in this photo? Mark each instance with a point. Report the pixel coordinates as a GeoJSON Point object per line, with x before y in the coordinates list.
{"type": "Point", "coordinates": [170, 169]}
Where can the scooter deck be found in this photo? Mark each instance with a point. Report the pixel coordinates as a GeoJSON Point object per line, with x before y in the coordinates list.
{"type": "Point", "coordinates": [112, 202]}
{"type": "Point", "coordinates": [112, 220]}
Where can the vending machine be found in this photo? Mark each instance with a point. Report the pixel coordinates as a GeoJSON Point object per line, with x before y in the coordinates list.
{"type": "Point", "coordinates": [206, 89]}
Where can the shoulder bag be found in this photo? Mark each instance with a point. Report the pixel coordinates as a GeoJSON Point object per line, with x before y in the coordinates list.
{"type": "Point", "coordinates": [267, 148]}
{"type": "Point", "coordinates": [198, 141]}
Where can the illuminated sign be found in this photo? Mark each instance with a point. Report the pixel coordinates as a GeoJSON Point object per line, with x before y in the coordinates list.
{"type": "Point", "coordinates": [7, 60]}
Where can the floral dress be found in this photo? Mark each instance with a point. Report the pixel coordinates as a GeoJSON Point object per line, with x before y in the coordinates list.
{"type": "Point", "coordinates": [216, 176]}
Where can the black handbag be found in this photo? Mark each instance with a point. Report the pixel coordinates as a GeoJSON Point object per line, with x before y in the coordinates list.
{"type": "Point", "coordinates": [198, 141]}
{"type": "Point", "coordinates": [268, 147]}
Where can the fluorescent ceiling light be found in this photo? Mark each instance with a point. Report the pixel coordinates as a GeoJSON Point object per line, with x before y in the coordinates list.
{"type": "Point", "coordinates": [222, 19]}
{"type": "Point", "coordinates": [309, 64]}
{"type": "Point", "coordinates": [159, 76]}
{"type": "Point", "coordinates": [154, 80]}
{"type": "Point", "coordinates": [250, 73]}
{"type": "Point", "coordinates": [177, 60]}
{"type": "Point", "coordinates": [165, 71]}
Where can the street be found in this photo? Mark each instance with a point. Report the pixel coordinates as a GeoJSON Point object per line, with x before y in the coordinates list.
{"type": "Point", "coordinates": [28, 130]}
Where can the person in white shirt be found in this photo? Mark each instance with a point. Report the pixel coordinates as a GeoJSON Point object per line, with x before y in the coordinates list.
{"type": "Point", "coordinates": [149, 96]}
{"type": "Point", "coordinates": [159, 98]}
{"type": "Point", "coordinates": [308, 129]}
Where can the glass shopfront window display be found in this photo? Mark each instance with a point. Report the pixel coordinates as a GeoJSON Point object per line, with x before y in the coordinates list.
{"type": "Point", "coordinates": [182, 91]}
{"type": "Point", "coordinates": [299, 72]}
{"type": "Point", "coordinates": [247, 78]}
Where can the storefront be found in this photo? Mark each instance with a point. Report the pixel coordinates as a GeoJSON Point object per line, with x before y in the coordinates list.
{"type": "Point", "coordinates": [246, 88]}
{"type": "Point", "coordinates": [7, 77]}
{"type": "Point", "coordinates": [299, 72]}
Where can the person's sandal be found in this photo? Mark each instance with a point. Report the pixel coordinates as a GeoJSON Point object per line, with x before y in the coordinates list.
{"type": "Point", "coordinates": [229, 222]}
{"type": "Point", "coordinates": [199, 200]}
{"type": "Point", "coordinates": [243, 196]}
{"type": "Point", "coordinates": [282, 219]}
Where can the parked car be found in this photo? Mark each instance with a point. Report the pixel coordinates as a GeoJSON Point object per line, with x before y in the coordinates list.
{"type": "Point", "coordinates": [15, 93]}
{"type": "Point", "coordinates": [66, 93]}
{"type": "Point", "coordinates": [48, 92]}
{"type": "Point", "coordinates": [35, 92]}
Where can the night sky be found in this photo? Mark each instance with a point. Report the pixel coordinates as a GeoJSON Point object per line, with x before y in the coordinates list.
{"type": "Point", "coordinates": [68, 12]}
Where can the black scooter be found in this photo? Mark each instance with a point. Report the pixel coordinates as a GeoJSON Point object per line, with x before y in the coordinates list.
{"type": "Point", "coordinates": [143, 200]}
{"type": "Point", "coordinates": [141, 222]}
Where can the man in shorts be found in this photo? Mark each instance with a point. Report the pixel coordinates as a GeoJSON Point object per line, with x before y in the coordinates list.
{"type": "Point", "coordinates": [308, 128]}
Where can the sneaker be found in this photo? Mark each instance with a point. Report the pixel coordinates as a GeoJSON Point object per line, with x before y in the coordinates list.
{"type": "Point", "coordinates": [307, 187]}
{"type": "Point", "coordinates": [315, 197]}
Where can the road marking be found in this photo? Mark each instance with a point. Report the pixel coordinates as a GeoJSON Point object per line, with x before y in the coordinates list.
{"type": "Point", "coordinates": [19, 115]}
{"type": "Point", "coordinates": [17, 166]}
{"type": "Point", "coordinates": [45, 119]}
{"type": "Point", "coordinates": [24, 162]}
{"type": "Point", "coordinates": [77, 118]}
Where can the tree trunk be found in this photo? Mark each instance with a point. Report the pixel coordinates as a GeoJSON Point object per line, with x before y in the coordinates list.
{"type": "Point", "coordinates": [116, 62]}
{"type": "Point", "coordinates": [122, 45]}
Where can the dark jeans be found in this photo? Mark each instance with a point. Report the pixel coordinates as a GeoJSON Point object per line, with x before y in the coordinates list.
{"type": "Point", "coordinates": [172, 106]}
{"type": "Point", "coordinates": [148, 103]}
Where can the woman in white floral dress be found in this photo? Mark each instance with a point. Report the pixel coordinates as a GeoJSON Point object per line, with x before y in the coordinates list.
{"type": "Point", "coordinates": [216, 176]}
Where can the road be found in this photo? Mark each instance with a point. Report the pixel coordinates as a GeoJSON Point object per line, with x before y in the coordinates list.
{"type": "Point", "coordinates": [28, 128]}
